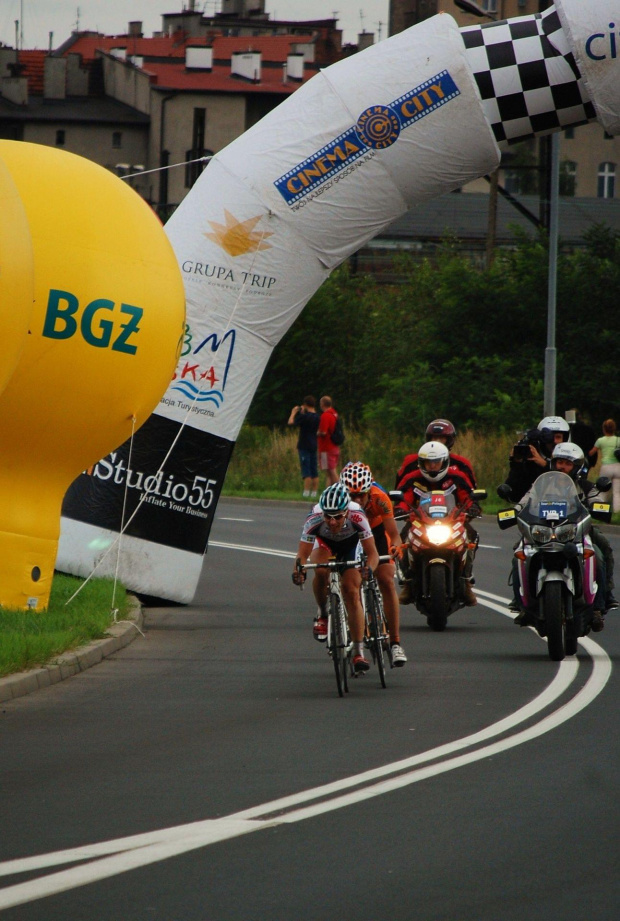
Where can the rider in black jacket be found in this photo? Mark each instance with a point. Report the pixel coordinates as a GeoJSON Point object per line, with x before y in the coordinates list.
{"type": "Point", "coordinates": [532, 456]}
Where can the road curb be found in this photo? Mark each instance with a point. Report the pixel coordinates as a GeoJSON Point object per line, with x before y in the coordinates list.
{"type": "Point", "coordinates": [76, 661]}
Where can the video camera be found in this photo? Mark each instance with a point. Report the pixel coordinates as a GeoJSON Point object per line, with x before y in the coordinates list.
{"type": "Point", "coordinates": [535, 438]}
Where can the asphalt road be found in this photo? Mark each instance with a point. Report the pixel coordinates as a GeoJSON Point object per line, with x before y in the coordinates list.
{"type": "Point", "coordinates": [209, 772]}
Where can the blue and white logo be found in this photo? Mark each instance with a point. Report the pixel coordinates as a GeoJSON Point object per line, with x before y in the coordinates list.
{"type": "Point", "coordinates": [377, 128]}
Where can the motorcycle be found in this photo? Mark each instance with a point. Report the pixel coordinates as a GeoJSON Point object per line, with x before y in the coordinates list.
{"type": "Point", "coordinates": [556, 562]}
{"type": "Point", "coordinates": [437, 546]}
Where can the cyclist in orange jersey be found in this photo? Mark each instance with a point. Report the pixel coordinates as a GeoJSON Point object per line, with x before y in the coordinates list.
{"type": "Point", "coordinates": [377, 505]}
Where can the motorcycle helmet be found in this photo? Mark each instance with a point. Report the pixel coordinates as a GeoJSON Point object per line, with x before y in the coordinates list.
{"type": "Point", "coordinates": [356, 476]}
{"type": "Point", "coordinates": [433, 461]}
{"type": "Point", "coordinates": [442, 428]}
{"type": "Point", "coordinates": [555, 424]}
{"type": "Point", "coordinates": [334, 499]}
{"type": "Point", "coordinates": [569, 452]}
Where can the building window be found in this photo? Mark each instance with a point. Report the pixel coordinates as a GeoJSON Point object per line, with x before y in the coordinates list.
{"type": "Point", "coordinates": [606, 180]}
{"type": "Point", "coordinates": [569, 134]}
{"type": "Point", "coordinates": [489, 6]}
{"type": "Point", "coordinates": [568, 178]}
{"type": "Point", "coordinates": [60, 137]}
{"type": "Point", "coordinates": [117, 137]}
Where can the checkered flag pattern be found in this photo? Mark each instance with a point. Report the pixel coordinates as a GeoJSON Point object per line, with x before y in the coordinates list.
{"type": "Point", "coordinates": [527, 76]}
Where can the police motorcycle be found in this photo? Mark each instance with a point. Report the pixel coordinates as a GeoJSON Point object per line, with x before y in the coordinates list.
{"type": "Point", "coordinates": [437, 545]}
{"type": "Point", "coordinates": [555, 560]}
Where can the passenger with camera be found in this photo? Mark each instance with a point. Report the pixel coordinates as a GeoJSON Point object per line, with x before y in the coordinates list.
{"type": "Point", "coordinates": [531, 456]}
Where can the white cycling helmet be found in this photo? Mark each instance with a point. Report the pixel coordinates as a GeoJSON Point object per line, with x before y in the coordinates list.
{"type": "Point", "coordinates": [433, 461]}
{"type": "Point", "coordinates": [571, 452]}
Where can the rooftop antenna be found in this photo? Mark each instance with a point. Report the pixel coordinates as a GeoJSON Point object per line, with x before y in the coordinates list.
{"type": "Point", "coordinates": [379, 27]}
{"type": "Point", "coordinates": [362, 20]}
{"type": "Point", "coordinates": [21, 25]}
{"type": "Point", "coordinates": [77, 19]}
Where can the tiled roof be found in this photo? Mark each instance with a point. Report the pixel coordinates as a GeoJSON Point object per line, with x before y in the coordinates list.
{"type": "Point", "coordinates": [164, 60]}
{"type": "Point", "coordinates": [88, 44]}
{"type": "Point", "coordinates": [32, 66]}
{"type": "Point", "coordinates": [273, 48]}
{"type": "Point", "coordinates": [220, 80]}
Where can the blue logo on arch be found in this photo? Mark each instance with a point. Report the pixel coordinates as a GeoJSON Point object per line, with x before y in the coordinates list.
{"type": "Point", "coordinates": [377, 128]}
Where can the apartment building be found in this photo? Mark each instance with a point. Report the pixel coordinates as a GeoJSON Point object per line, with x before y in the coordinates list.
{"type": "Point", "coordinates": [155, 108]}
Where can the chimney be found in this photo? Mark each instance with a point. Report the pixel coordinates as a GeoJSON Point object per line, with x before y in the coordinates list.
{"type": "Point", "coordinates": [246, 64]}
{"type": "Point", "coordinates": [199, 57]}
{"type": "Point", "coordinates": [295, 66]}
{"type": "Point", "coordinates": [135, 29]}
{"type": "Point", "coordinates": [365, 40]}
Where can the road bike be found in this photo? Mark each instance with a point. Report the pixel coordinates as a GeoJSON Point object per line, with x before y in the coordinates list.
{"type": "Point", "coordinates": [339, 644]}
{"type": "Point", "coordinates": [376, 635]}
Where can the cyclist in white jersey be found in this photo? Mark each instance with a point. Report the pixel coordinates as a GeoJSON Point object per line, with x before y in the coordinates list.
{"type": "Point", "coordinates": [333, 529]}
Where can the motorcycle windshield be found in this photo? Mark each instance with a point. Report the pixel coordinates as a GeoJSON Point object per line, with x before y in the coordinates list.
{"type": "Point", "coordinates": [437, 504]}
{"type": "Point", "coordinates": [553, 498]}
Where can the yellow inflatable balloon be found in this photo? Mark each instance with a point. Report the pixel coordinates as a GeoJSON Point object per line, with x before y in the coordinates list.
{"type": "Point", "coordinates": [16, 275]}
{"type": "Point", "coordinates": [104, 338]}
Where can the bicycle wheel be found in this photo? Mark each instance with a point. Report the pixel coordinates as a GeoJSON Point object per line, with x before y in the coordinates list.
{"type": "Point", "coordinates": [337, 643]}
{"type": "Point", "coordinates": [375, 622]}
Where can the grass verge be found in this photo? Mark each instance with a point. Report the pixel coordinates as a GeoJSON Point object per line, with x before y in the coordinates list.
{"type": "Point", "coordinates": [30, 639]}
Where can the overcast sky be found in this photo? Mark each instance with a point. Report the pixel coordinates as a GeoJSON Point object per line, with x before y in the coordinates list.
{"type": "Point", "coordinates": [38, 18]}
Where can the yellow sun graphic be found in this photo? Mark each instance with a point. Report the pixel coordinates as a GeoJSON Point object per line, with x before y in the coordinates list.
{"type": "Point", "coordinates": [238, 237]}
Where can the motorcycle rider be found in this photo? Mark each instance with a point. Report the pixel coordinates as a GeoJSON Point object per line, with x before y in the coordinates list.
{"type": "Point", "coordinates": [443, 431]}
{"type": "Point", "coordinates": [377, 506]}
{"type": "Point", "coordinates": [570, 455]}
{"type": "Point", "coordinates": [527, 465]}
{"type": "Point", "coordinates": [568, 458]}
{"type": "Point", "coordinates": [435, 472]}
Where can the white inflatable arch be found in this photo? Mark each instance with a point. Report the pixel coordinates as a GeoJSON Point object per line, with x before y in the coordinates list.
{"type": "Point", "coordinates": [276, 211]}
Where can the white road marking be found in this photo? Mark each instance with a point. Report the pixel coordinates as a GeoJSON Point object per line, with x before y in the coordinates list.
{"type": "Point", "coordinates": [221, 518]}
{"type": "Point", "coordinates": [267, 551]}
{"type": "Point", "coordinates": [125, 854]}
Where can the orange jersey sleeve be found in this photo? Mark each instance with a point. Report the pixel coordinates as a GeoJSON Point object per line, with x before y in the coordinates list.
{"type": "Point", "coordinates": [379, 506]}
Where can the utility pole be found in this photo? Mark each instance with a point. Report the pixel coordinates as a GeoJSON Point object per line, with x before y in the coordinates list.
{"type": "Point", "coordinates": [549, 387]}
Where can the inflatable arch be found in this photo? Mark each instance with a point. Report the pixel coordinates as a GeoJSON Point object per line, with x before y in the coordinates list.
{"type": "Point", "coordinates": [277, 210]}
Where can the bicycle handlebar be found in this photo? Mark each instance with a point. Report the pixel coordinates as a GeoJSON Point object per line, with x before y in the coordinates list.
{"type": "Point", "coordinates": [341, 565]}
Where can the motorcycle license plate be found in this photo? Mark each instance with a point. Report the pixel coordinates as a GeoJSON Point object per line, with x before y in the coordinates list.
{"type": "Point", "coordinates": [553, 511]}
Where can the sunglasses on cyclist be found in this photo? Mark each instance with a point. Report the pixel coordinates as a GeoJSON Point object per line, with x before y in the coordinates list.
{"type": "Point", "coordinates": [337, 517]}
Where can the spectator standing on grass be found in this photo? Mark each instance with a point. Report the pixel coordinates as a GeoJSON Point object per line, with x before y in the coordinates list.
{"type": "Point", "coordinates": [610, 466]}
{"type": "Point", "coordinates": [306, 418]}
{"type": "Point", "coordinates": [329, 453]}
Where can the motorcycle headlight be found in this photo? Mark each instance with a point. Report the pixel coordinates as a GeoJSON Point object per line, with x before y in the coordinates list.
{"type": "Point", "coordinates": [565, 532]}
{"type": "Point", "coordinates": [541, 534]}
{"type": "Point", "coordinates": [439, 534]}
